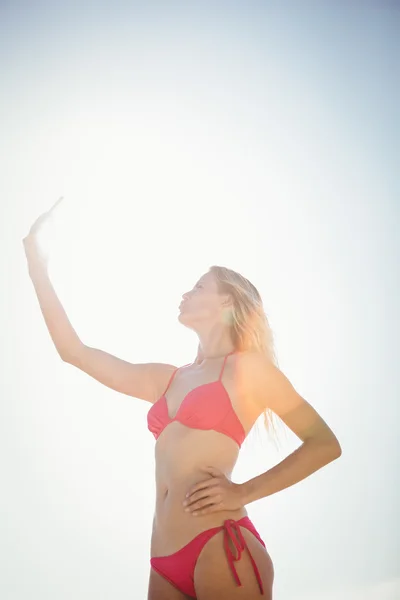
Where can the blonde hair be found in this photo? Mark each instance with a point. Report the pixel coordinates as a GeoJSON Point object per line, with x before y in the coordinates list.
{"type": "Point", "coordinates": [250, 329]}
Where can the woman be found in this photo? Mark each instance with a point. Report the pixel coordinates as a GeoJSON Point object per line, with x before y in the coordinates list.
{"type": "Point", "coordinates": [203, 544]}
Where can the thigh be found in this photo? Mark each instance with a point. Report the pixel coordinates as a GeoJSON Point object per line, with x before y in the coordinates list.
{"type": "Point", "coordinates": [214, 580]}
{"type": "Point", "coordinates": [161, 589]}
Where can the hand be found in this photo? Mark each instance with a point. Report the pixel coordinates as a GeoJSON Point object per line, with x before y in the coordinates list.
{"type": "Point", "coordinates": [30, 241]}
{"type": "Point", "coordinates": [42, 219]}
{"type": "Point", "coordinates": [213, 495]}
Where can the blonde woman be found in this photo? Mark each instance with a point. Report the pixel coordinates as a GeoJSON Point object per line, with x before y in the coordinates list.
{"type": "Point", "coordinates": [203, 544]}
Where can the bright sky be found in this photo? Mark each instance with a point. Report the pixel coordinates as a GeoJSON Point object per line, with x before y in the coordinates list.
{"type": "Point", "coordinates": [184, 135]}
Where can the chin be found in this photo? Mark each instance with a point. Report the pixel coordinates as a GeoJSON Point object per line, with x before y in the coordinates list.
{"type": "Point", "coordinates": [185, 319]}
{"type": "Point", "coordinates": [182, 318]}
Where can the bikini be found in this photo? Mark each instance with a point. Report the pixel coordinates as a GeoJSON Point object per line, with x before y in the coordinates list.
{"type": "Point", "coordinates": [206, 407]}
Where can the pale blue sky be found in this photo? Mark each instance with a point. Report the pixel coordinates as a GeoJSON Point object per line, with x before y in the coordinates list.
{"type": "Point", "coordinates": [184, 135]}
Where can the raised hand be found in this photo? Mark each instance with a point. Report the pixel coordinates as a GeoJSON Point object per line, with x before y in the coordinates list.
{"type": "Point", "coordinates": [31, 240]}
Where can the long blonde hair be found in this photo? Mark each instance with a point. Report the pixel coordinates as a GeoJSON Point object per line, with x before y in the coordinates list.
{"type": "Point", "coordinates": [250, 328]}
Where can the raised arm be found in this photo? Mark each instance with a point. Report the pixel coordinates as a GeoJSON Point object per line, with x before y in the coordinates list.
{"type": "Point", "coordinates": [145, 381]}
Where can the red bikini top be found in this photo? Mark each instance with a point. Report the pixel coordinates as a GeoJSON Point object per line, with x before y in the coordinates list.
{"type": "Point", "coordinates": [206, 407]}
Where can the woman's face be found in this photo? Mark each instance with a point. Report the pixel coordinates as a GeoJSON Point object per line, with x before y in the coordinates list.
{"type": "Point", "coordinates": [203, 303]}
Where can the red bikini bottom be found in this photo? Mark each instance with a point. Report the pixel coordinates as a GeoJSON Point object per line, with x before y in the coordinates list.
{"type": "Point", "coordinates": [178, 568]}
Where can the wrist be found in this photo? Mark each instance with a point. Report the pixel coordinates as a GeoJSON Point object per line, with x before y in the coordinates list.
{"type": "Point", "coordinates": [30, 247]}
{"type": "Point", "coordinates": [33, 254]}
{"type": "Point", "coordinates": [247, 492]}
{"type": "Point", "coordinates": [37, 266]}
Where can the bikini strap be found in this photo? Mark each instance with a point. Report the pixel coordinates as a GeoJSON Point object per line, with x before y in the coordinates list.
{"type": "Point", "coordinates": [224, 363]}
{"type": "Point", "coordinates": [169, 382]}
{"type": "Point", "coordinates": [171, 378]}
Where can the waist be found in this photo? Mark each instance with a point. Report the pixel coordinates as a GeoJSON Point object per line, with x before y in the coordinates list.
{"type": "Point", "coordinates": [173, 527]}
{"type": "Point", "coordinates": [181, 454]}
{"type": "Point", "coordinates": [171, 488]}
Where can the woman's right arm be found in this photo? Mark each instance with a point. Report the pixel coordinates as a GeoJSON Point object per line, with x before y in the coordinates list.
{"type": "Point", "coordinates": [145, 381]}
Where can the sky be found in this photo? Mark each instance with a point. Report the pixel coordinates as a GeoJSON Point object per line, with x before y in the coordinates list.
{"type": "Point", "coordinates": [261, 136]}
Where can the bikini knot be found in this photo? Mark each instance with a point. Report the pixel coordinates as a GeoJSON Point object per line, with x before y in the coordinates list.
{"type": "Point", "coordinates": [232, 532]}
{"type": "Point", "coordinates": [231, 528]}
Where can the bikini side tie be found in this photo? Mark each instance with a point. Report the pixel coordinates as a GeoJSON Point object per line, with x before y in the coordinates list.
{"type": "Point", "coordinates": [230, 528]}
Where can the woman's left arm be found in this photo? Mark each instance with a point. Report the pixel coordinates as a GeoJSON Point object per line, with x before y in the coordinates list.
{"type": "Point", "coordinates": [271, 390]}
{"type": "Point", "coordinates": [320, 446]}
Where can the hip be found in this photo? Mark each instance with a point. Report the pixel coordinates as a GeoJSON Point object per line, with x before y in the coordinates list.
{"type": "Point", "coordinates": [173, 528]}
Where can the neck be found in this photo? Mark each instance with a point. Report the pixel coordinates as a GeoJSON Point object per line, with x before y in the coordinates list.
{"type": "Point", "coordinates": [214, 344]}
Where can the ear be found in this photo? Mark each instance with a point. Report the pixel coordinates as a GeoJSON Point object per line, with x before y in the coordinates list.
{"type": "Point", "coordinates": [227, 314]}
{"type": "Point", "coordinates": [227, 301]}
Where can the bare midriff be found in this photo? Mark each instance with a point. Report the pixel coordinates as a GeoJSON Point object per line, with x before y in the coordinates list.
{"type": "Point", "coordinates": [180, 455]}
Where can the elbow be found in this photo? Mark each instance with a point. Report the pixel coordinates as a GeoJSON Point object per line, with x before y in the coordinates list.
{"type": "Point", "coordinates": [70, 356]}
{"type": "Point", "coordinates": [332, 444]}
{"type": "Point", "coordinates": [65, 357]}
{"type": "Point", "coordinates": [328, 448]}
{"type": "Point", "coordinates": [335, 449]}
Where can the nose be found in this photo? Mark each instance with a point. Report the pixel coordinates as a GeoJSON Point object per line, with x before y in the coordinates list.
{"type": "Point", "coordinates": [185, 296]}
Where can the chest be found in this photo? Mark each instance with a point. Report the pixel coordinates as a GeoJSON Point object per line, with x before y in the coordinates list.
{"type": "Point", "coordinates": [204, 389]}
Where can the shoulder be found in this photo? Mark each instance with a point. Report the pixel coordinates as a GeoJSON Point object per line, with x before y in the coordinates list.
{"type": "Point", "coordinates": [262, 379]}
{"type": "Point", "coordinates": [254, 363]}
{"type": "Point", "coordinates": [251, 368]}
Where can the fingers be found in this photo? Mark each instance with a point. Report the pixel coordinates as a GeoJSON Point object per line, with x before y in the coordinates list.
{"type": "Point", "coordinates": [205, 496]}
{"type": "Point", "coordinates": [202, 485]}
{"type": "Point", "coordinates": [208, 507]}
{"type": "Point", "coordinates": [200, 494]}
{"type": "Point", "coordinates": [201, 500]}
{"type": "Point", "coordinates": [61, 198]}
